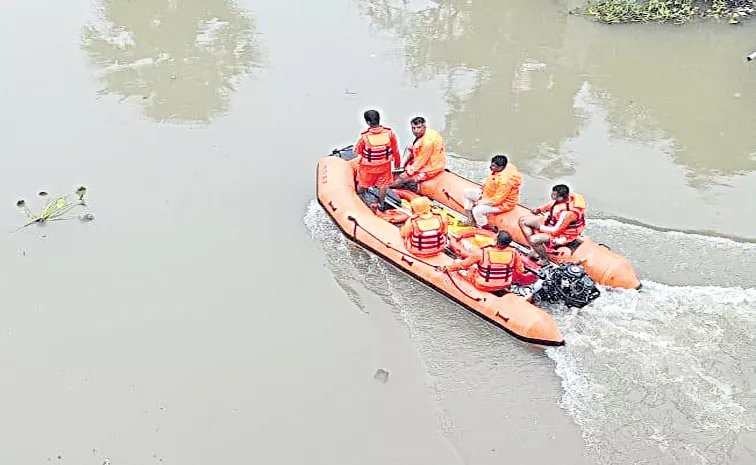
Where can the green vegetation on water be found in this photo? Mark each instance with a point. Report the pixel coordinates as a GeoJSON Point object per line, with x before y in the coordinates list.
{"type": "Point", "coordinates": [676, 11]}
{"type": "Point", "coordinates": [59, 208]}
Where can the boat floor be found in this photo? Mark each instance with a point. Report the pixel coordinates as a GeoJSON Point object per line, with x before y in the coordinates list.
{"type": "Point", "coordinates": [394, 202]}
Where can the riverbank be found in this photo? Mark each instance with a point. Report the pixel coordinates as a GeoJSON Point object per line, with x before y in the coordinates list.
{"type": "Point", "coordinates": [675, 11]}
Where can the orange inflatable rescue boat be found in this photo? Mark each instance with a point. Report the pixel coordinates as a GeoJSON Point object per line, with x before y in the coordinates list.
{"type": "Point", "coordinates": [570, 281]}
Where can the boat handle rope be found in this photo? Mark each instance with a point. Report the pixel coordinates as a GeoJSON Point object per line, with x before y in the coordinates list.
{"type": "Point", "coordinates": [449, 197]}
{"type": "Point", "coordinates": [404, 254]}
{"type": "Point", "coordinates": [409, 261]}
{"type": "Point", "coordinates": [477, 299]}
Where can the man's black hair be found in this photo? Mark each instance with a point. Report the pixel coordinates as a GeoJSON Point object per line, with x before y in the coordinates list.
{"type": "Point", "coordinates": [503, 239]}
{"type": "Point", "coordinates": [372, 117]}
{"type": "Point", "coordinates": [561, 190]}
{"type": "Point", "coordinates": [500, 160]}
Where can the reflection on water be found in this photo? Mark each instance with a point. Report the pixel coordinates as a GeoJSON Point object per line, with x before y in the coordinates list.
{"type": "Point", "coordinates": [504, 87]}
{"type": "Point", "coordinates": [513, 70]}
{"type": "Point", "coordinates": [692, 86]}
{"type": "Point", "coordinates": [181, 58]}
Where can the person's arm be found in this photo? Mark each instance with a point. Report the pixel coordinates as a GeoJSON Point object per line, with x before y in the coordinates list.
{"type": "Point", "coordinates": [565, 218]}
{"type": "Point", "coordinates": [543, 208]}
{"type": "Point", "coordinates": [406, 229]}
{"type": "Point", "coordinates": [423, 152]}
{"type": "Point", "coordinates": [406, 156]}
{"type": "Point", "coordinates": [395, 150]}
{"type": "Point", "coordinates": [466, 263]}
{"type": "Point", "coordinates": [359, 146]}
{"type": "Point", "coordinates": [519, 267]}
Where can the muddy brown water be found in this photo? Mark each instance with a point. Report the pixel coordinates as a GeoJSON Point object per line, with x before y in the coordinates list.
{"type": "Point", "coordinates": [211, 312]}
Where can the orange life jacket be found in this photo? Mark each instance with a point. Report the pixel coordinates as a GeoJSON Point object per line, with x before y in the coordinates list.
{"type": "Point", "coordinates": [575, 204]}
{"type": "Point", "coordinates": [495, 269]}
{"type": "Point", "coordinates": [435, 162]}
{"type": "Point", "coordinates": [427, 235]}
{"type": "Point", "coordinates": [377, 145]}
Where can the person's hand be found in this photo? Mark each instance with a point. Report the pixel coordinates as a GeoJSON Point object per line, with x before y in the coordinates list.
{"type": "Point", "coordinates": [536, 211]}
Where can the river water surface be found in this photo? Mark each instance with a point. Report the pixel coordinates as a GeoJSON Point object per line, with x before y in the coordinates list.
{"type": "Point", "coordinates": [212, 313]}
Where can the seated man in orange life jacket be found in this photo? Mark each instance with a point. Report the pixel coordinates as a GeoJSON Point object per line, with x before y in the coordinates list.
{"type": "Point", "coordinates": [424, 234]}
{"type": "Point", "coordinates": [491, 268]}
{"type": "Point", "coordinates": [563, 223]}
{"type": "Point", "coordinates": [374, 152]}
{"type": "Point", "coordinates": [499, 194]}
{"type": "Point", "coordinates": [427, 156]}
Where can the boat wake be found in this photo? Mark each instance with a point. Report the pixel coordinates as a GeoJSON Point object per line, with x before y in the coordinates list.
{"type": "Point", "coordinates": [660, 376]}
{"type": "Point", "coordinates": [664, 375]}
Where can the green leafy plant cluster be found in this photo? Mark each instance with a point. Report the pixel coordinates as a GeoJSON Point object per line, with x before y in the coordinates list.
{"type": "Point", "coordinates": [59, 208]}
{"type": "Point", "coordinates": [676, 11]}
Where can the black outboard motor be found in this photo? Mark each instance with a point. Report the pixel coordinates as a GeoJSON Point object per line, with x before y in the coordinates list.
{"type": "Point", "coordinates": [566, 283]}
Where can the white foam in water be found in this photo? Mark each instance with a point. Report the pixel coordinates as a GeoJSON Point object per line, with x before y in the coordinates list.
{"type": "Point", "coordinates": [667, 367]}
{"type": "Point", "coordinates": [660, 376]}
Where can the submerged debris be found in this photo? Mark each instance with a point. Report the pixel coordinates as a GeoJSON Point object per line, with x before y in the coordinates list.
{"type": "Point", "coordinates": [381, 375]}
{"type": "Point", "coordinates": [59, 208]}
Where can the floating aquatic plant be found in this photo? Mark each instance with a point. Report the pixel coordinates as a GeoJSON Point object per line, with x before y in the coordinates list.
{"type": "Point", "coordinates": [676, 11]}
{"type": "Point", "coordinates": [59, 208]}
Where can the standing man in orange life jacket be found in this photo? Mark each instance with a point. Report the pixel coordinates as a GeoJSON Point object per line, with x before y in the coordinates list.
{"type": "Point", "coordinates": [564, 221]}
{"type": "Point", "coordinates": [427, 155]}
{"type": "Point", "coordinates": [375, 150]}
{"type": "Point", "coordinates": [424, 234]}
{"type": "Point", "coordinates": [493, 267]}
